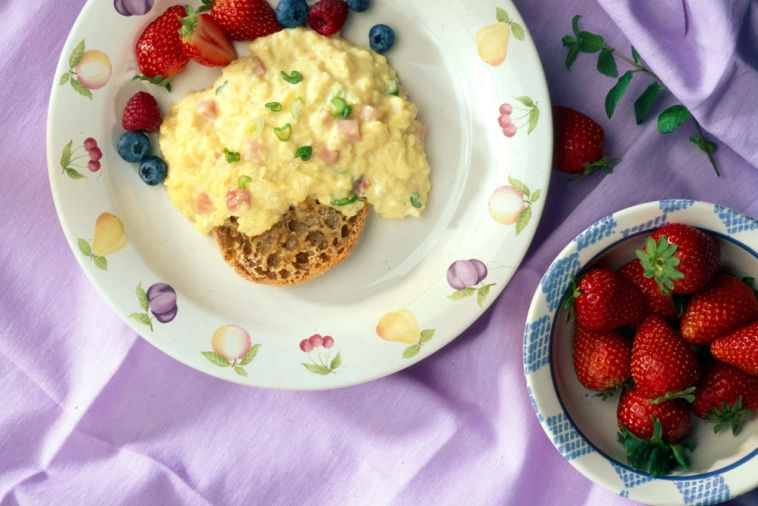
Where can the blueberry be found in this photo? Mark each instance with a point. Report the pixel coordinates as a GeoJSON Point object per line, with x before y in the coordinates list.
{"type": "Point", "coordinates": [133, 146]}
{"type": "Point", "coordinates": [152, 170]}
{"type": "Point", "coordinates": [291, 13]}
{"type": "Point", "coordinates": [359, 5]}
{"type": "Point", "coordinates": [381, 38]}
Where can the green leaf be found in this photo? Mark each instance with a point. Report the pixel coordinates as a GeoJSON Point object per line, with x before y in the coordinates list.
{"type": "Point", "coordinates": [571, 56]}
{"type": "Point", "coordinates": [250, 355]}
{"type": "Point", "coordinates": [568, 40]}
{"type": "Point", "coordinates": [523, 219]}
{"type": "Point", "coordinates": [462, 294]}
{"type": "Point", "coordinates": [239, 370]}
{"type": "Point", "coordinates": [76, 55]}
{"type": "Point", "coordinates": [575, 24]}
{"type": "Point", "coordinates": [81, 89]}
{"type": "Point", "coordinates": [590, 42]}
{"type": "Point", "coordinates": [100, 262]}
{"type": "Point", "coordinates": [534, 117]}
{"type": "Point", "coordinates": [615, 93]}
{"type": "Point", "coordinates": [142, 297]}
{"type": "Point", "coordinates": [481, 295]}
{"type": "Point", "coordinates": [501, 15]}
{"type": "Point", "coordinates": [336, 361]}
{"type": "Point", "coordinates": [64, 78]}
{"type": "Point", "coordinates": [643, 104]}
{"type": "Point", "coordinates": [670, 119]}
{"type": "Point", "coordinates": [318, 369]}
{"type": "Point", "coordinates": [74, 174]}
{"type": "Point", "coordinates": [606, 63]}
{"type": "Point", "coordinates": [701, 144]}
{"type": "Point", "coordinates": [535, 196]}
{"type": "Point", "coordinates": [216, 358]}
{"type": "Point", "coordinates": [142, 318]}
{"type": "Point", "coordinates": [411, 351]}
{"type": "Point", "coordinates": [66, 155]}
{"type": "Point", "coordinates": [636, 56]}
{"type": "Point", "coordinates": [84, 247]}
{"type": "Point", "coordinates": [518, 185]}
{"type": "Point", "coordinates": [525, 100]}
{"type": "Point", "coordinates": [426, 336]}
{"type": "Point", "coordinates": [518, 31]}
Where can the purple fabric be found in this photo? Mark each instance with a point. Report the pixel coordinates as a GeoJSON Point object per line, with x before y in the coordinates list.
{"type": "Point", "coordinates": [92, 414]}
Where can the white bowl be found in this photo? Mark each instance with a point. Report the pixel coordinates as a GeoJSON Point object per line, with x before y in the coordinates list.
{"type": "Point", "coordinates": [583, 427]}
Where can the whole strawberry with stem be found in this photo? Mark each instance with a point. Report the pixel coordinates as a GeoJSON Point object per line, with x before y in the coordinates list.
{"type": "Point", "coordinates": [204, 40]}
{"type": "Point", "coordinates": [651, 434]}
{"type": "Point", "coordinates": [578, 144]}
{"type": "Point", "coordinates": [726, 396]}
{"type": "Point", "coordinates": [603, 300]}
{"type": "Point", "coordinates": [602, 360]}
{"type": "Point", "coordinates": [739, 349]}
{"type": "Point", "coordinates": [680, 258]}
{"type": "Point", "coordinates": [723, 306]}
{"type": "Point", "coordinates": [159, 49]}
{"type": "Point", "coordinates": [243, 19]}
{"type": "Point", "coordinates": [657, 302]}
{"type": "Point", "coordinates": [663, 366]}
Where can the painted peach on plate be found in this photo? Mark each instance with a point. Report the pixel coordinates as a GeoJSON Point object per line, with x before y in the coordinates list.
{"type": "Point", "coordinates": [94, 70]}
{"type": "Point", "coordinates": [109, 235]}
{"type": "Point", "coordinates": [231, 342]}
{"type": "Point", "coordinates": [492, 43]}
{"type": "Point", "coordinates": [506, 203]}
{"type": "Point", "coordinates": [400, 326]}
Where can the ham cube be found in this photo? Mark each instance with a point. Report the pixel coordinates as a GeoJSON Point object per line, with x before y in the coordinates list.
{"type": "Point", "coordinates": [328, 156]}
{"type": "Point", "coordinates": [370, 113]}
{"type": "Point", "coordinates": [349, 129]}
{"type": "Point", "coordinates": [237, 199]}
{"type": "Point", "coordinates": [207, 108]}
{"type": "Point", "coordinates": [204, 203]}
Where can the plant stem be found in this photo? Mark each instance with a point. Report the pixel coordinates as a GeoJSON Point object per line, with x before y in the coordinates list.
{"type": "Point", "coordinates": [705, 145]}
{"type": "Point", "coordinates": [632, 62]}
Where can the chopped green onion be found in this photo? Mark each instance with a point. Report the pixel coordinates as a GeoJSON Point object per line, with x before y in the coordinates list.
{"type": "Point", "coordinates": [231, 156]}
{"type": "Point", "coordinates": [304, 153]}
{"type": "Point", "coordinates": [274, 106]}
{"type": "Point", "coordinates": [284, 132]}
{"type": "Point", "coordinates": [341, 93]}
{"type": "Point", "coordinates": [393, 89]}
{"type": "Point", "coordinates": [221, 88]}
{"type": "Point", "coordinates": [243, 181]}
{"type": "Point", "coordinates": [339, 106]}
{"type": "Point", "coordinates": [347, 200]}
{"type": "Point", "coordinates": [346, 111]}
{"type": "Point", "coordinates": [294, 78]}
{"type": "Point", "coordinates": [343, 172]}
{"type": "Point", "coordinates": [255, 127]}
{"type": "Point", "coordinates": [295, 109]}
{"type": "Point", "coordinates": [416, 200]}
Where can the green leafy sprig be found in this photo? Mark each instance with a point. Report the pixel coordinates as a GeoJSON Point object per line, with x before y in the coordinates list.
{"type": "Point", "coordinates": [222, 361]}
{"type": "Point", "coordinates": [414, 349]}
{"type": "Point", "coordinates": [324, 367]}
{"type": "Point", "coordinates": [668, 121]}
{"type": "Point", "coordinates": [516, 29]}
{"type": "Point", "coordinates": [86, 250]}
{"type": "Point", "coordinates": [481, 293]}
{"type": "Point", "coordinates": [733, 415]}
{"type": "Point", "coordinates": [159, 80]}
{"type": "Point", "coordinates": [654, 456]}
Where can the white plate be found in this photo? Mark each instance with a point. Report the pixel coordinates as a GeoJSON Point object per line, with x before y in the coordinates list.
{"type": "Point", "coordinates": [397, 265]}
{"type": "Point", "coordinates": [583, 427]}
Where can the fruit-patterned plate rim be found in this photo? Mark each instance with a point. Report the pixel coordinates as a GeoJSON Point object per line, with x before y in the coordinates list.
{"type": "Point", "coordinates": [137, 250]}
{"type": "Point", "coordinates": [571, 415]}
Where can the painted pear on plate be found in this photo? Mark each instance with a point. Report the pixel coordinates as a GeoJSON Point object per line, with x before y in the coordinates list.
{"type": "Point", "coordinates": [492, 42]}
{"type": "Point", "coordinates": [109, 235]}
{"type": "Point", "coordinates": [399, 326]}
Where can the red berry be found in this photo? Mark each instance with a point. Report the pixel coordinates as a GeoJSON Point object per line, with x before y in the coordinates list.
{"type": "Point", "coordinates": [602, 360]}
{"type": "Point", "coordinates": [306, 346]}
{"type": "Point", "coordinates": [316, 340]}
{"type": "Point", "coordinates": [93, 165]}
{"type": "Point", "coordinates": [95, 154]}
{"type": "Point", "coordinates": [89, 143]}
{"type": "Point", "coordinates": [657, 302]}
{"type": "Point", "coordinates": [726, 395]}
{"type": "Point", "coordinates": [739, 349]}
{"type": "Point", "coordinates": [328, 17]}
{"type": "Point", "coordinates": [245, 19]}
{"type": "Point", "coordinates": [328, 342]}
{"type": "Point", "coordinates": [159, 49]}
{"type": "Point", "coordinates": [579, 143]}
{"type": "Point", "coordinates": [141, 113]}
{"type": "Point", "coordinates": [634, 411]}
{"type": "Point", "coordinates": [204, 40]}
{"type": "Point", "coordinates": [604, 300]}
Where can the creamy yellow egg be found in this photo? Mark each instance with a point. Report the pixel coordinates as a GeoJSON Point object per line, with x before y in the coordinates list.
{"type": "Point", "coordinates": [303, 115]}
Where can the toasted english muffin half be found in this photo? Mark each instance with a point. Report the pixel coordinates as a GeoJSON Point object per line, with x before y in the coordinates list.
{"type": "Point", "coordinates": [307, 241]}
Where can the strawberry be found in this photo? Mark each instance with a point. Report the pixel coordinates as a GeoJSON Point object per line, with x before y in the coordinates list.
{"type": "Point", "coordinates": [723, 306]}
{"type": "Point", "coordinates": [159, 48]}
{"type": "Point", "coordinates": [739, 349]}
{"type": "Point", "coordinates": [663, 366]}
{"type": "Point", "coordinates": [204, 40]}
{"type": "Point", "coordinates": [726, 395]}
{"type": "Point", "coordinates": [578, 143]}
{"type": "Point", "coordinates": [243, 19]}
{"type": "Point", "coordinates": [681, 258]}
{"type": "Point", "coordinates": [604, 300]}
{"type": "Point", "coordinates": [328, 17]}
{"type": "Point", "coordinates": [657, 302]}
{"type": "Point", "coordinates": [141, 113]}
{"type": "Point", "coordinates": [652, 433]}
{"type": "Point", "coordinates": [602, 360]}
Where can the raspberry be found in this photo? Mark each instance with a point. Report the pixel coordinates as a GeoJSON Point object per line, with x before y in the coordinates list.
{"type": "Point", "coordinates": [328, 17]}
{"type": "Point", "coordinates": [141, 113]}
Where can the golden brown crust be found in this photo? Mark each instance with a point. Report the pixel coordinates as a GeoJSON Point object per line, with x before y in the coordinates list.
{"type": "Point", "coordinates": [310, 239]}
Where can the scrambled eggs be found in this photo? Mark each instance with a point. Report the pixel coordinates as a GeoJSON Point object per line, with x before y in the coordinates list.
{"type": "Point", "coordinates": [303, 115]}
